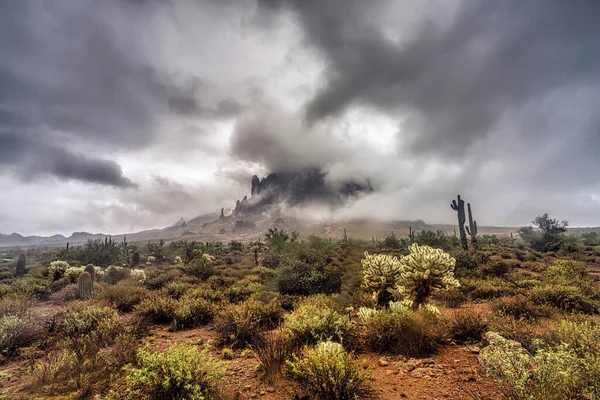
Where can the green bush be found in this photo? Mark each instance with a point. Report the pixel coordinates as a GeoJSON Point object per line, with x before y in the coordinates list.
{"type": "Point", "coordinates": [158, 308]}
{"type": "Point", "coordinates": [84, 318]}
{"type": "Point", "coordinates": [239, 325]}
{"type": "Point", "coordinates": [114, 274]}
{"type": "Point", "coordinates": [192, 311]}
{"type": "Point", "coordinates": [327, 372]}
{"type": "Point", "coordinates": [315, 319]}
{"type": "Point", "coordinates": [400, 329]}
{"type": "Point", "coordinates": [437, 239]}
{"type": "Point", "coordinates": [521, 307]}
{"type": "Point", "coordinates": [566, 298]}
{"type": "Point", "coordinates": [566, 270]}
{"type": "Point", "coordinates": [553, 372]}
{"type": "Point", "coordinates": [201, 268]}
{"type": "Point", "coordinates": [273, 349]}
{"type": "Point", "coordinates": [467, 324]}
{"type": "Point", "coordinates": [180, 373]}
{"type": "Point", "coordinates": [17, 331]}
{"type": "Point", "coordinates": [123, 297]}
{"type": "Point", "coordinates": [303, 278]}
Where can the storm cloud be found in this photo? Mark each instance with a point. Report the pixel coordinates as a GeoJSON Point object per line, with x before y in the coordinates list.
{"type": "Point", "coordinates": [182, 102]}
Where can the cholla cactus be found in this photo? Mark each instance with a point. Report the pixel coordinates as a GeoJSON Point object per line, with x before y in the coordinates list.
{"type": "Point", "coordinates": [207, 258]}
{"type": "Point", "coordinates": [178, 260]}
{"type": "Point", "coordinates": [366, 313]}
{"type": "Point", "coordinates": [151, 259]}
{"type": "Point", "coordinates": [381, 272]}
{"type": "Point", "coordinates": [424, 271]}
{"type": "Point", "coordinates": [72, 273]}
{"type": "Point", "coordinates": [57, 269]}
{"type": "Point", "coordinates": [138, 275]}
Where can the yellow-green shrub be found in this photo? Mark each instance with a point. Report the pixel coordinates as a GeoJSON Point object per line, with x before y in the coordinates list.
{"type": "Point", "coordinates": [240, 324]}
{"type": "Point", "coordinates": [182, 372]}
{"type": "Point", "coordinates": [327, 372]}
{"type": "Point", "coordinates": [315, 319]}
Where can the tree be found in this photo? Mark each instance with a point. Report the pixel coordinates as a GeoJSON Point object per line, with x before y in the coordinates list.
{"type": "Point", "coordinates": [549, 235]}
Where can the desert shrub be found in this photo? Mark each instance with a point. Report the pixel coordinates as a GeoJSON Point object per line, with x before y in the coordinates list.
{"type": "Point", "coordinates": [176, 289]}
{"type": "Point", "coordinates": [202, 268]}
{"type": "Point", "coordinates": [400, 329]}
{"type": "Point", "coordinates": [487, 288]}
{"type": "Point", "coordinates": [436, 239]}
{"type": "Point", "coordinates": [123, 297]}
{"type": "Point", "coordinates": [467, 324]}
{"type": "Point", "coordinates": [180, 373]}
{"type": "Point", "coordinates": [241, 291]}
{"type": "Point", "coordinates": [72, 273]}
{"type": "Point", "coordinates": [381, 273]}
{"type": "Point", "coordinates": [566, 270]}
{"type": "Point", "coordinates": [306, 277]}
{"type": "Point", "coordinates": [30, 286]}
{"type": "Point", "coordinates": [157, 278]}
{"type": "Point", "coordinates": [17, 331]}
{"type": "Point", "coordinates": [84, 318]}
{"type": "Point", "coordinates": [526, 283]}
{"type": "Point", "coordinates": [273, 349]}
{"type": "Point", "coordinates": [206, 292]}
{"type": "Point", "coordinates": [496, 268]}
{"type": "Point", "coordinates": [424, 271]}
{"type": "Point", "coordinates": [566, 298]}
{"type": "Point", "coordinates": [520, 306]}
{"type": "Point", "coordinates": [553, 373]}
{"type": "Point", "coordinates": [114, 274]}
{"type": "Point", "coordinates": [15, 305]}
{"type": "Point", "coordinates": [327, 372]}
{"type": "Point", "coordinates": [239, 325]}
{"type": "Point", "coordinates": [315, 319]}
{"type": "Point", "coordinates": [192, 311]}
{"type": "Point", "coordinates": [467, 261]}
{"type": "Point", "coordinates": [157, 308]}
{"type": "Point", "coordinates": [450, 298]}
{"type": "Point", "coordinates": [57, 269]}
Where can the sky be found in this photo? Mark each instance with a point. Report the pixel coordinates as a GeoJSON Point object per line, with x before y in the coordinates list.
{"type": "Point", "coordinates": [122, 115]}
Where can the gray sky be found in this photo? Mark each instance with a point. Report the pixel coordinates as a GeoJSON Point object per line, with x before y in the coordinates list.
{"type": "Point", "coordinates": [124, 115]}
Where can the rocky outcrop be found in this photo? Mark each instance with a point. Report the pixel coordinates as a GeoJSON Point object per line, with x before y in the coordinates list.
{"type": "Point", "coordinates": [295, 188]}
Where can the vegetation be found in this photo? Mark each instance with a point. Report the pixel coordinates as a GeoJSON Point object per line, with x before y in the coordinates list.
{"type": "Point", "coordinates": [328, 372]}
{"type": "Point", "coordinates": [97, 321]}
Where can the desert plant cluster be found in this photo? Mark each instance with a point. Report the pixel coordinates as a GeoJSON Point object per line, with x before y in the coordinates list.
{"type": "Point", "coordinates": [300, 317]}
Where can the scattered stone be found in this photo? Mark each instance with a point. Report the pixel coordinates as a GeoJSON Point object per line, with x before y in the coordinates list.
{"type": "Point", "coordinates": [383, 362]}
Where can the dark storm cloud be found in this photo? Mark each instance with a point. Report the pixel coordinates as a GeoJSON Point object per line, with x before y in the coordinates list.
{"type": "Point", "coordinates": [31, 159]}
{"type": "Point", "coordinates": [68, 69]}
{"type": "Point", "coordinates": [455, 80]}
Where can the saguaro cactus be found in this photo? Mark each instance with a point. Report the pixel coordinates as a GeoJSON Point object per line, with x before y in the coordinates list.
{"type": "Point", "coordinates": [84, 285]}
{"type": "Point", "coordinates": [411, 234]}
{"type": "Point", "coordinates": [92, 271]}
{"type": "Point", "coordinates": [345, 236]}
{"type": "Point", "coordinates": [135, 259]}
{"type": "Point", "coordinates": [459, 207]}
{"type": "Point", "coordinates": [21, 261]}
{"type": "Point", "coordinates": [472, 228]}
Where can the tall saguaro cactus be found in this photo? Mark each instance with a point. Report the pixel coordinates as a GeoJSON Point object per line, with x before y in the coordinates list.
{"type": "Point", "coordinates": [92, 271]}
{"type": "Point", "coordinates": [85, 285]}
{"type": "Point", "coordinates": [21, 261]}
{"type": "Point", "coordinates": [472, 228]}
{"type": "Point", "coordinates": [459, 207]}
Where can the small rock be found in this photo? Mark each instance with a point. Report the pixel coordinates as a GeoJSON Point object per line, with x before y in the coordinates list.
{"type": "Point", "coordinates": [270, 389]}
{"type": "Point", "coordinates": [383, 362]}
